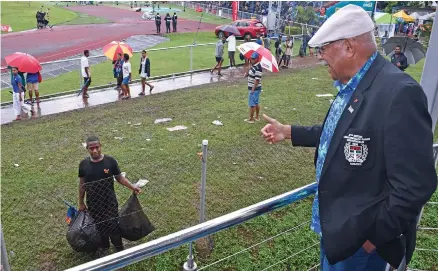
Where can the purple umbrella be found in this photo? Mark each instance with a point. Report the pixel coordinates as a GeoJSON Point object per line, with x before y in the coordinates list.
{"type": "Point", "coordinates": [230, 29]}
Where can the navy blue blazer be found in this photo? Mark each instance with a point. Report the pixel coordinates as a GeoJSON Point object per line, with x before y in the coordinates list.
{"type": "Point", "coordinates": [379, 169]}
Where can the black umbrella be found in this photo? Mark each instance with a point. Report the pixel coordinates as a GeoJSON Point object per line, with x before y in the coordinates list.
{"type": "Point", "coordinates": [412, 49]}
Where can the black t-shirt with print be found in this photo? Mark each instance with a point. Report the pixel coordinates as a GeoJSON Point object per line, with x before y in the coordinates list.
{"type": "Point", "coordinates": [99, 186]}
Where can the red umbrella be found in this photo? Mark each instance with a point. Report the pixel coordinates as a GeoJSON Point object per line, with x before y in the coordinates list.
{"type": "Point", "coordinates": [24, 62]}
{"type": "Point", "coordinates": [267, 60]}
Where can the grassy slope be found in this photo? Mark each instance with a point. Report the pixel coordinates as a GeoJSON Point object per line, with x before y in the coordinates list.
{"type": "Point", "coordinates": [162, 62]}
{"type": "Point", "coordinates": [242, 170]}
{"type": "Point", "coordinates": [21, 15]}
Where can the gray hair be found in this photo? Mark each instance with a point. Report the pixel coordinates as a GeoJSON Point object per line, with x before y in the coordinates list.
{"type": "Point", "coordinates": [369, 39]}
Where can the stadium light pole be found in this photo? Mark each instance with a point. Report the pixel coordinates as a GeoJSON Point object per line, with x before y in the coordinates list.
{"type": "Point", "coordinates": [429, 79]}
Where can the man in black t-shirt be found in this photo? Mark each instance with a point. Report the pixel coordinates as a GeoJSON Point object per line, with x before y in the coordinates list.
{"type": "Point", "coordinates": [96, 175]}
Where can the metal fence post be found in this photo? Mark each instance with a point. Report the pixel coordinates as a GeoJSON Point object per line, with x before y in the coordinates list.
{"type": "Point", "coordinates": [190, 265]}
{"type": "Point", "coordinates": [191, 59]}
{"type": "Point", "coordinates": [203, 178]}
{"type": "Point", "coordinates": [4, 253]}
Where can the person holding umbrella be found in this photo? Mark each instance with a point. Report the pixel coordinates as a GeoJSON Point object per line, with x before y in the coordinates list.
{"type": "Point", "coordinates": [254, 87]}
{"type": "Point", "coordinates": [18, 97]}
{"type": "Point", "coordinates": [167, 19]}
{"type": "Point", "coordinates": [219, 52]}
{"type": "Point", "coordinates": [399, 59]}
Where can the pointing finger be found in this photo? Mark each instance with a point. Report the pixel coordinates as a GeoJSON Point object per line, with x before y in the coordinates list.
{"type": "Point", "coordinates": [268, 119]}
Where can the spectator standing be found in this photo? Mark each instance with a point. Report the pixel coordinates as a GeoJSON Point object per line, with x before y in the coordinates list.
{"type": "Point", "coordinates": [259, 40]}
{"type": "Point", "coordinates": [86, 73]}
{"type": "Point", "coordinates": [219, 52]}
{"type": "Point", "coordinates": [278, 51]}
{"type": "Point", "coordinates": [399, 59]}
{"type": "Point", "coordinates": [366, 206]}
{"type": "Point", "coordinates": [96, 182]}
{"type": "Point", "coordinates": [145, 73]}
{"type": "Point", "coordinates": [32, 85]}
{"type": "Point", "coordinates": [17, 95]}
{"type": "Point", "coordinates": [117, 70]}
{"type": "Point", "coordinates": [254, 87]}
{"type": "Point", "coordinates": [232, 50]}
{"type": "Point", "coordinates": [288, 51]}
{"type": "Point", "coordinates": [174, 21]}
{"type": "Point", "coordinates": [158, 23]}
{"type": "Point", "coordinates": [167, 19]}
{"type": "Point", "coordinates": [126, 69]}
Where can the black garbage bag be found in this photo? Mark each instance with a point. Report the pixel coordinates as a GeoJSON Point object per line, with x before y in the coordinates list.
{"type": "Point", "coordinates": [82, 234]}
{"type": "Point", "coordinates": [133, 222]}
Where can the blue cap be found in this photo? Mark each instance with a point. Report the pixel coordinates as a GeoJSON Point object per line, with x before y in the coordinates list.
{"type": "Point", "coordinates": [255, 55]}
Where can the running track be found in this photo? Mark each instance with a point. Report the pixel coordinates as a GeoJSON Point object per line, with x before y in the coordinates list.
{"type": "Point", "coordinates": [65, 40]}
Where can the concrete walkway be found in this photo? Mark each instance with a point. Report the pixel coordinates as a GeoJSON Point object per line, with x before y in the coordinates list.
{"type": "Point", "coordinates": [108, 95]}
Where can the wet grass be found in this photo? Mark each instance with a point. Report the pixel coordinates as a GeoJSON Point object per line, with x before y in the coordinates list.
{"type": "Point", "coordinates": [162, 63]}
{"type": "Point", "coordinates": [20, 15]}
{"type": "Point", "coordinates": [242, 170]}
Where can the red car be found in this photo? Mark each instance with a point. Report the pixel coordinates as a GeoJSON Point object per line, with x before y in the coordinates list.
{"type": "Point", "coordinates": [248, 28]}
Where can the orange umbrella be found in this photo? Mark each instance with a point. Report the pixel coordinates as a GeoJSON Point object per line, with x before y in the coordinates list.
{"type": "Point", "coordinates": [112, 49]}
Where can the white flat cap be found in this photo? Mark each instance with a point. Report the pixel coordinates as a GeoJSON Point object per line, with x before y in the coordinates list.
{"type": "Point", "coordinates": [349, 21]}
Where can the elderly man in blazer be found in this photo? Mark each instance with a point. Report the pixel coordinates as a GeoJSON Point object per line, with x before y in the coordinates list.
{"type": "Point", "coordinates": [374, 161]}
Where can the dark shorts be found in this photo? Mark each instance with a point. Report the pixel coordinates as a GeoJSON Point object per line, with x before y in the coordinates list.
{"type": "Point", "coordinates": [219, 59]}
{"type": "Point", "coordinates": [231, 54]}
{"type": "Point", "coordinates": [87, 81]}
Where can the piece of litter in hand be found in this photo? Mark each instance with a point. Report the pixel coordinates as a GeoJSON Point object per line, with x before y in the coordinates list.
{"type": "Point", "coordinates": [177, 128]}
{"type": "Point", "coordinates": [16, 165]}
{"type": "Point", "coordinates": [40, 158]}
{"type": "Point", "coordinates": [216, 122]}
{"type": "Point", "coordinates": [85, 145]}
{"type": "Point", "coordinates": [118, 137]}
{"type": "Point", "coordinates": [162, 120]}
{"type": "Point", "coordinates": [324, 95]}
{"type": "Point", "coordinates": [148, 139]}
{"type": "Point", "coordinates": [123, 174]}
{"type": "Point", "coordinates": [141, 183]}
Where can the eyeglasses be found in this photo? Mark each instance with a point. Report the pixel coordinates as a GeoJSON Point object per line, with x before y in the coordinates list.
{"type": "Point", "coordinates": [323, 47]}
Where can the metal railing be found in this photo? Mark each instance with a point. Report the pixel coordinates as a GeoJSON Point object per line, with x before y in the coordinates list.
{"type": "Point", "coordinates": [163, 244]}
{"type": "Point", "coordinates": [160, 245]}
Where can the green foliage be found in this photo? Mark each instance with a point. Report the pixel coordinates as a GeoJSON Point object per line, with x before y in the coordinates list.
{"type": "Point", "coordinates": [292, 30]}
{"type": "Point", "coordinates": [305, 15]}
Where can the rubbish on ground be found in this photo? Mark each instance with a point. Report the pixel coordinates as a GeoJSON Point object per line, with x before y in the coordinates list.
{"type": "Point", "coordinates": [84, 144]}
{"type": "Point", "coordinates": [136, 124]}
{"type": "Point", "coordinates": [330, 101]}
{"type": "Point", "coordinates": [141, 183]}
{"type": "Point", "coordinates": [324, 95]}
{"type": "Point", "coordinates": [177, 128]}
{"type": "Point", "coordinates": [118, 137]}
{"type": "Point", "coordinates": [294, 109]}
{"type": "Point", "coordinates": [129, 122]}
{"type": "Point", "coordinates": [148, 139]}
{"type": "Point", "coordinates": [234, 163]}
{"type": "Point", "coordinates": [16, 165]}
{"type": "Point", "coordinates": [217, 122]}
{"type": "Point", "coordinates": [40, 158]}
{"type": "Point", "coordinates": [193, 124]}
{"type": "Point", "coordinates": [162, 120]}
{"type": "Point", "coordinates": [114, 130]}
{"type": "Point", "coordinates": [315, 78]}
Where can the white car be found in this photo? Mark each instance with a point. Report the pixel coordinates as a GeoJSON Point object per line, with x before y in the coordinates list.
{"type": "Point", "coordinates": [148, 15]}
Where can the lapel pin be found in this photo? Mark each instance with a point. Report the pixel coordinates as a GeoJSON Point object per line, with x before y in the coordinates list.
{"type": "Point", "coordinates": [356, 100]}
{"type": "Point", "coordinates": [350, 109]}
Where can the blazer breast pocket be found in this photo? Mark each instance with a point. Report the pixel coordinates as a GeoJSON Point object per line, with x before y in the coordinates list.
{"type": "Point", "coordinates": [359, 149]}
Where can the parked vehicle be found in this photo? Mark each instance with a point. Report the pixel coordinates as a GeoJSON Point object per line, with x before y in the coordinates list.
{"type": "Point", "coordinates": [247, 28]}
